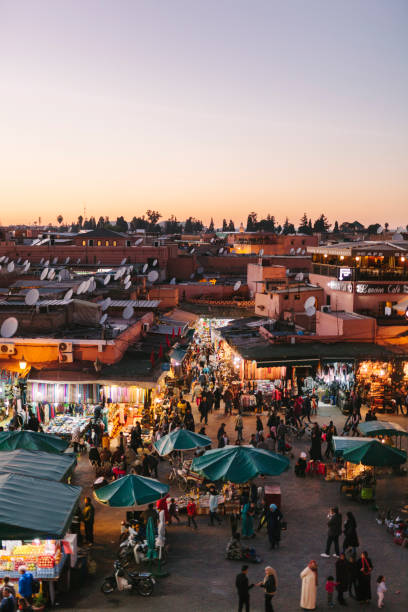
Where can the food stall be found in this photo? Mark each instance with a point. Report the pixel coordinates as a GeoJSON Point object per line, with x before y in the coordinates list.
{"type": "Point", "coordinates": [33, 528]}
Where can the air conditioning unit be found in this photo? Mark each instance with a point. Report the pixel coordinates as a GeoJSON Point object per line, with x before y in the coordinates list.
{"type": "Point", "coordinates": [65, 347]}
{"type": "Point", "coordinates": [7, 349]}
{"type": "Point", "coordinates": [66, 358]}
{"type": "Point", "coordinates": [325, 308]}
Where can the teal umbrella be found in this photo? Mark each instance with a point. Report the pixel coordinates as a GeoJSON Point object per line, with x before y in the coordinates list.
{"type": "Point", "coordinates": [131, 491]}
{"type": "Point", "coordinates": [374, 453]}
{"type": "Point", "coordinates": [31, 440]}
{"type": "Point", "coordinates": [151, 540]}
{"type": "Point", "coordinates": [239, 464]}
{"type": "Point", "coordinates": [181, 440]}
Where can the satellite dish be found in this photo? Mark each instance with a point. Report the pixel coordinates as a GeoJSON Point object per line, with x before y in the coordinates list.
{"type": "Point", "coordinates": [63, 275]}
{"type": "Point", "coordinates": [154, 264]}
{"type": "Point", "coordinates": [138, 241]}
{"type": "Point", "coordinates": [51, 274]}
{"type": "Point", "coordinates": [144, 270]}
{"type": "Point", "coordinates": [106, 303]}
{"type": "Point", "coordinates": [27, 266]}
{"type": "Point", "coordinates": [68, 294]}
{"type": "Point", "coordinates": [32, 297]}
{"type": "Point", "coordinates": [128, 312]}
{"type": "Point", "coordinates": [237, 285]}
{"type": "Point", "coordinates": [173, 281]}
{"type": "Point", "coordinates": [152, 276]}
{"type": "Point", "coordinates": [221, 250]}
{"type": "Point", "coordinates": [18, 261]}
{"type": "Point", "coordinates": [6, 259]}
{"type": "Point", "coordinates": [44, 273]}
{"type": "Point", "coordinates": [192, 276]}
{"type": "Point", "coordinates": [87, 285]}
{"type": "Point", "coordinates": [200, 270]}
{"type": "Point", "coordinates": [128, 285]}
{"type": "Point", "coordinates": [303, 251]}
{"type": "Point", "coordinates": [78, 260]}
{"type": "Point", "coordinates": [299, 276]}
{"type": "Point", "coordinates": [299, 251]}
{"type": "Point", "coordinates": [41, 261]}
{"type": "Point", "coordinates": [397, 237]}
{"type": "Point", "coordinates": [9, 327]}
{"type": "Point", "coordinates": [310, 302]}
{"type": "Point", "coordinates": [55, 260]}
{"type": "Point", "coordinates": [67, 260]}
{"type": "Point", "coordinates": [47, 263]}
{"type": "Point", "coordinates": [387, 311]}
{"type": "Point", "coordinates": [106, 280]}
{"type": "Point", "coordinates": [116, 276]}
{"type": "Point", "coordinates": [122, 263]}
{"type": "Point", "coordinates": [192, 250]}
{"type": "Point", "coordinates": [10, 266]}
{"type": "Point", "coordinates": [380, 230]}
{"type": "Point", "coordinates": [2, 258]}
{"type": "Point", "coordinates": [81, 288]}
{"type": "Point", "coordinates": [310, 311]}
{"type": "Point", "coordinates": [99, 262]}
{"type": "Point", "coordinates": [261, 252]}
{"type": "Point", "coordinates": [212, 240]}
{"type": "Point", "coordinates": [292, 251]}
{"type": "Point", "coordinates": [103, 318]}
{"type": "Point", "coordinates": [126, 279]}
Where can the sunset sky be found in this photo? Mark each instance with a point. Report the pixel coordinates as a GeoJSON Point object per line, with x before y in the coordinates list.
{"type": "Point", "coordinates": [204, 108]}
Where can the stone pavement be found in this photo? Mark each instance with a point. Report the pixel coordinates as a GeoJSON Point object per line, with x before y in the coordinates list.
{"type": "Point", "coordinates": [202, 580]}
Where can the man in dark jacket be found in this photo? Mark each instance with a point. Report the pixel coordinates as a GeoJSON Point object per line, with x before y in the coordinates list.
{"type": "Point", "coordinates": [243, 587]}
{"type": "Point", "coordinates": [334, 532]}
{"type": "Point", "coordinates": [342, 578]}
{"type": "Point", "coordinates": [88, 516]}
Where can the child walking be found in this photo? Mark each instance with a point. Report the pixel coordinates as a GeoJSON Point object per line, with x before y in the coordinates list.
{"type": "Point", "coordinates": [381, 589]}
{"type": "Point", "coordinates": [330, 586]}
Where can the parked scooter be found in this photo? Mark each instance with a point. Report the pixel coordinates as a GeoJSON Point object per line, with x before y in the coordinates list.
{"type": "Point", "coordinates": [123, 580]}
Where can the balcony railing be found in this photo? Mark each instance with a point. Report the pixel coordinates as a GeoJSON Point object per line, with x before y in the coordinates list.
{"type": "Point", "coordinates": [360, 274]}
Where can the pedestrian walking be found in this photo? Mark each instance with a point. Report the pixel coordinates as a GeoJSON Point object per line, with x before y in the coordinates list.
{"type": "Point", "coordinates": [213, 507]}
{"type": "Point", "coordinates": [88, 515]}
{"type": "Point", "coordinates": [239, 426]}
{"type": "Point", "coordinates": [308, 594]}
{"type": "Point", "coordinates": [316, 447]}
{"type": "Point", "coordinates": [342, 579]}
{"type": "Point", "coordinates": [330, 586]}
{"type": "Point", "coordinates": [173, 513]}
{"type": "Point", "coordinates": [274, 524]}
{"type": "Point", "coordinates": [334, 531]}
{"type": "Point", "coordinates": [365, 567]}
{"type": "Point", "coordinates": [243, 588]}
{"type": "Point", "coordinates": [191, 513]}
{"type": "Point", "coordinates": [270, 584]}
{"type": "Point", "coordinates": [350, 533]}
{"type": "Point", "coordinates": [381, 590]}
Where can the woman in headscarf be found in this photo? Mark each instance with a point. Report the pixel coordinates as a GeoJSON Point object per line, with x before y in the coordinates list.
{"type": "Point", "coordinates": [309, 586]}
{"type": "Point", "coordinates": [247, 515]}
{"type": "Point", "coordinates": [350, 533]}
{"type": "Point", "coordinates": [316, 448]}
{"type": "Point", "coordinates": [274, 518]}
{"type": "Point", "coordinates": [365, 567]}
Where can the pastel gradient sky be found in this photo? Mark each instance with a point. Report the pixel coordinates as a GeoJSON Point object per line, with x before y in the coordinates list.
{"type": "Point", "coordinates": [210, 107]}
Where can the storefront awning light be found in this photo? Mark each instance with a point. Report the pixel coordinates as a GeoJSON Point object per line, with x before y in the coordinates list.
{"type": "Point", "coordinates": [22, 363]}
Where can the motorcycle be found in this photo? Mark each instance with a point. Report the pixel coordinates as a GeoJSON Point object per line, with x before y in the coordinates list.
{"type": "Point", "coordinates": [135, 548]}
{"type": "Point", "coordinates": [124, 580]}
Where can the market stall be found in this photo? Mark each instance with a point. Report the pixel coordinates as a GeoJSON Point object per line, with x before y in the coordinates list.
{"type": "Point", "coordinates": [34, 518]}
{"type": "Point", "coordinates": [383, 429]}
{"type": "Point", "coordinates": [64, 425]}
{"type": "Point", "coordinates": [374, 379]}
{"type": "Point", "coordinates": [31, 440]}
{"type": "Point", "coordinates": [38, 464]}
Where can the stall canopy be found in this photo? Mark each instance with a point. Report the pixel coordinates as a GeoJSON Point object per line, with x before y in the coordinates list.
{"type": "Point", "coordinates": [374, 453]}
{"type": "Point", "coordinates": [239, 464]}
{"type": "Point", "coordinates": [342, 444]}
{"type": "Point", "coordinates": [31, 440]}
{"type": "Point", "coordinates": [181, 440]}
{"type": "Point", "coordinates": [37, 464]}
{"type": "Point", "coordinates": [381, 428]}
{"type": "Point", "coordinates": [32, 508]}
{"type": "Point", "coordinates": [131, 491]}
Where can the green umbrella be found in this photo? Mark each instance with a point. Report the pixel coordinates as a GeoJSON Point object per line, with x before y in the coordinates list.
{"type": "Point", "coordinates": [374, 453]}
{"type": "Point", "coordinates": [239, 464]}
{"type": "Point", "coordinates": [131, 491]}
{"type": "Point", "coordinates": [180, 440]}
{"type": "Point", "coordinates": [31, 440]}
{"type": "Point", "coordinates": [151, 540]}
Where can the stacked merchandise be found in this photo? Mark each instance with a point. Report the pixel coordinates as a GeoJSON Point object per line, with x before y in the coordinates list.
{"type": "Point", "coordinates": [64, 424]}
{"type": "Point", "coordinates": [43, 559]}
